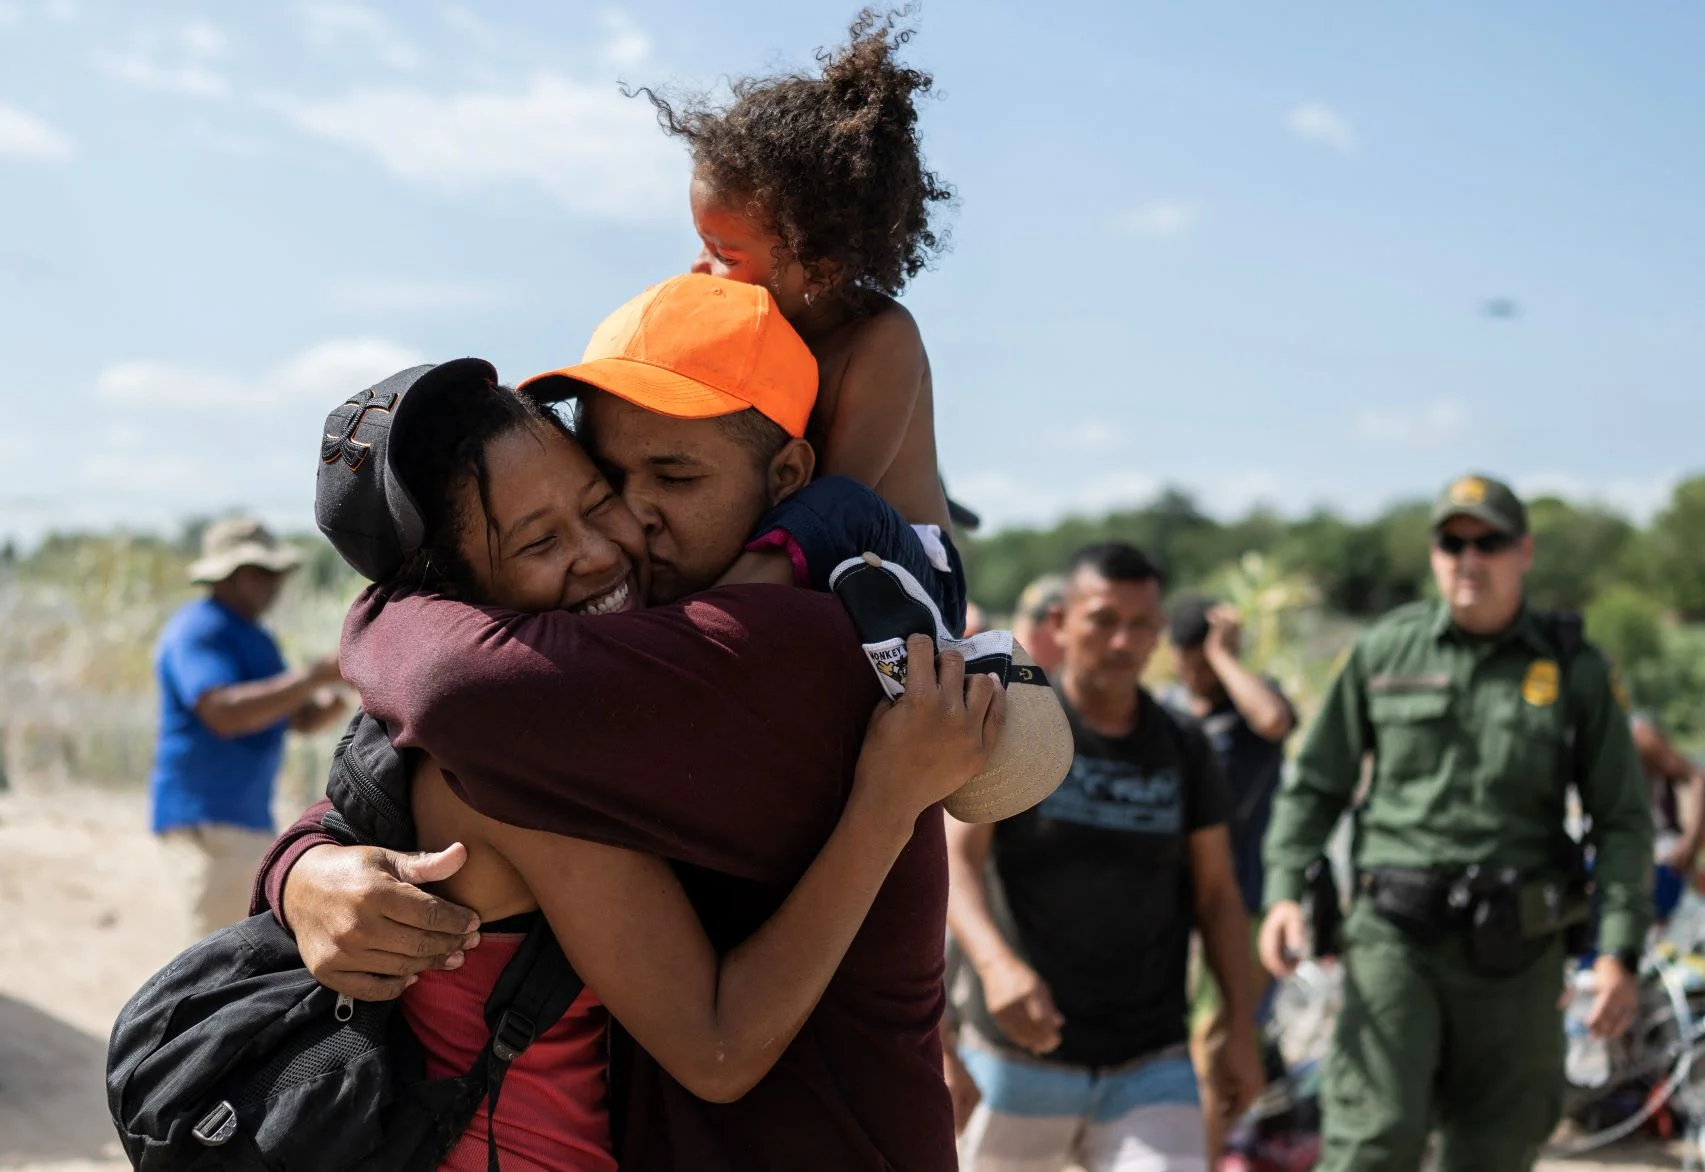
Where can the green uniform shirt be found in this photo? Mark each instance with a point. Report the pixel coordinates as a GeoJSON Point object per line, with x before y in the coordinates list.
{"type": "Point", "coordinates": [1469, 763]}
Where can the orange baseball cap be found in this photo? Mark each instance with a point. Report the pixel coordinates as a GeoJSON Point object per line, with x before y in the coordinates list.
{"type": "Point", "coordinates": [697, 347]}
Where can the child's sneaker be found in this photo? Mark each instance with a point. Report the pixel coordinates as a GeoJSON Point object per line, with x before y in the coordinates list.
{"type": "Point", "coordinates": [888, 606]}
{"type": "Point", "coordinates": [1035, 750]}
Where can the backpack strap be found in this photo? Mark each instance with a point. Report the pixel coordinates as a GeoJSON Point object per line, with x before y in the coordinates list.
{"type": "Point", "coordinates": [369, 788]}
{"type": "Point", "coordinates": [1567, 630]}
{"type": "Point", "coordinates": [532, 993]}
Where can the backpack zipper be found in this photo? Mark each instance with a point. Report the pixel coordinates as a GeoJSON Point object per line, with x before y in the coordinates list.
{"type": "Point", "coordinates": [369, 790]}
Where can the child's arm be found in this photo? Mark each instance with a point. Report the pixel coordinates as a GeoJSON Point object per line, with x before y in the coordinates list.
{"type": "Point", "coordinates": [770, 566]}
{"type": "Point", "coordinates": [802, 539]}
{"type": "Point", "coordinates": [878, 392]}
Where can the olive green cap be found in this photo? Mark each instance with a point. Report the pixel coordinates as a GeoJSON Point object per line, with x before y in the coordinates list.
{"type": "Point", "coordinates": [1484, 499]}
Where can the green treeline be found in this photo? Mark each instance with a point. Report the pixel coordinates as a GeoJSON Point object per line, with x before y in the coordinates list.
{"type": "Point", "coordinates": [1364, 569]}
{"type": "Point", "coordinates": [1642, 589]}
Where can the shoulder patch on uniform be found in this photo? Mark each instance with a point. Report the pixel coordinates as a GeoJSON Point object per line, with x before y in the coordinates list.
{"type": "Point", "coordinates": [1540, 686]}
{"type": "Point", "coordinates": [1470, 490]}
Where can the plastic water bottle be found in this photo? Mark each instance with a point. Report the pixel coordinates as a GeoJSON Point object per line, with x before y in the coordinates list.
{"type": "Point", "coordinates": [1587, 1060]}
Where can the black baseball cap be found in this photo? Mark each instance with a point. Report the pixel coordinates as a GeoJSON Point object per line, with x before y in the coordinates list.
{"type": "Point", "coordinates": [361, 502]}
{"type": "Point", "coordinates": [963, 517]}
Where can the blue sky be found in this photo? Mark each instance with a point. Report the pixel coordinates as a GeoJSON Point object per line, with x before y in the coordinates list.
{"type": "Point", "coordinates": [1243, 248]}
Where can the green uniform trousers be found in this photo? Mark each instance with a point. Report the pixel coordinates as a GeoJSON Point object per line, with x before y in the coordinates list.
{"type": "Point", "coordinates": [1423, 1041]}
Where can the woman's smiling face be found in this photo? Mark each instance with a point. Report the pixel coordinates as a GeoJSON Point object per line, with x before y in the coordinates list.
{"type": "Point", "coordinates": [550, 533]}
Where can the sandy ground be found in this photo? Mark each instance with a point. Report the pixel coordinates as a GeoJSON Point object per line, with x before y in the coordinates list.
{"type": "Point", "coordinates": [87, 919]}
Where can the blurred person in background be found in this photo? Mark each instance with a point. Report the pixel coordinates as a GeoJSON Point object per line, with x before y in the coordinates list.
{"type": "Point", "coordinates": [1075, 917]}
{"type": "Point", "coordinates": [226, 702]}
{"type": "Point", "coordinates": [1036, 620]}
{"type": "Point", "coordinates": [1677, 788]}
{"type": "Point", "coordinates": [976, 620]}
{"type": "Point", "coordinates": [1246, 719]}
{"type": "Point", "coordinates": [1478, 714]}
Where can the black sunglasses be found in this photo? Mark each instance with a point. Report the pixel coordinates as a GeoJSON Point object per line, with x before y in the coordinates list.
{"type": "Point", "coordinates": [1487, 543]}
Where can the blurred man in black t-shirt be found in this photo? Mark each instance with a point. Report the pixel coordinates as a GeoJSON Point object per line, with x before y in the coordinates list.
{"type": "Point", "coordinates": [1076, 917]}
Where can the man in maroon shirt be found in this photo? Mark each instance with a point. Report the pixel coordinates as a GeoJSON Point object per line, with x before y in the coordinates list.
{"type": "Point", "coordinates": [720, 733]}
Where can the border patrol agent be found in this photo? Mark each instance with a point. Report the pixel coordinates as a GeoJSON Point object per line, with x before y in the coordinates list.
{"type": "Point", "coordinates": [1478, 713]}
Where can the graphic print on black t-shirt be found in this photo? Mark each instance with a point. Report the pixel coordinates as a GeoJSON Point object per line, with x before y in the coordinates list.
{"type": "Point", "coordinates": [1119, 795]}
{"type": "Point", "coordinates": [1092, 887]}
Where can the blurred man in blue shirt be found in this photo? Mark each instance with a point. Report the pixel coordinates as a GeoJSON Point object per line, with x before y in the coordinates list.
{"type": "Point", "coordinates": [226, 701]}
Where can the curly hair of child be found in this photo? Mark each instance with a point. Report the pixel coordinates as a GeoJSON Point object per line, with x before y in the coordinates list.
{"type": "Point", "coordinates": [829, 163]}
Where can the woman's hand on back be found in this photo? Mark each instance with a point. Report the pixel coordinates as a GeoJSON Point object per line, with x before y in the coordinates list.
{"type": "Point", "coordinates": [932, 740]}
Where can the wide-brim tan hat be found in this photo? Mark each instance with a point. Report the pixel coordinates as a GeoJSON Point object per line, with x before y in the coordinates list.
{"type": "Point", "coordinates": [235, 542]}
{"type": "Point", "coordinates": [1032, 757]}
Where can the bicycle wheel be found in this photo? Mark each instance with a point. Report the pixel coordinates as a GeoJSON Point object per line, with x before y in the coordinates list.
{"type": "Point", "coordinates": [1647, 1065]}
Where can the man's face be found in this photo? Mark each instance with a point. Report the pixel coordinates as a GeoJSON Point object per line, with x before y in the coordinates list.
{"type": "Point", "coordinates": [696, 490]}
{"type": "Point", "coordinates": [1109, 630]}
{"type": "Point", "coordinates": [253, 590]}
{"type": "Point", "coordinates": [1197, 674]}
{"type": "Point", "coordinates": [1040, 635]}
{"type": "Point", "coordinates": [1479, 572]}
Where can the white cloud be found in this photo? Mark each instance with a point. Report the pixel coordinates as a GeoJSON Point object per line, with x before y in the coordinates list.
{"type": "Point", "coordinates": [1086, 437]}
{"type": "Point", "coordinates": [1233, 492]}
{"type": "Point", "coordinates": [469, 27]}
{"type": "Point", "coordinates": [334, 24]}
{"type": "Point", "coordinates": [141, 473]}
{"type": "Point", "coordinates": [25, 137]}
{"type": "Point", "coordinates": [1638, 497]}
{"type": "Point", "coordinates": [593, 150]}
{"type": "Point", "coordinates": [175, 64]}
{"type": "Point", "coordinates": [1114, 490]}
{"type": "Point", "coordinates": [1163, 218]}
{"type": "Point", "coordinates": [1006, 499]}
{"type": "Point", "coordinates": [139, 69]}
{"type": "Point", "coordinates": [157, 384]}
{"type": "Point", "coordinates": [10, 14]}
{"type": "Point", "coordinates": [406, 296]}
{"type": "Point", "coordinates": [202, 39]}
{"type": "Point", "coordinates": [334, 368]}
{"type": "Point", "coordinates": [1318, 122]}
{"type": "Point", "coordinates": [320, 373]}
{"type": "Point", "coordinates": [628, 45]}
{"type": "Point", "coordinates": [64, 11]}
{"type": "Point", "coordinates": [1433, 426]}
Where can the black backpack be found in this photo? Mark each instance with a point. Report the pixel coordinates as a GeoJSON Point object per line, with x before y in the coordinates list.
{"type": "Point", "coordinates": [234, 1058]}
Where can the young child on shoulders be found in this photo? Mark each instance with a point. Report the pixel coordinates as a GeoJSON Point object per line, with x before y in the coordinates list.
{"type": "Point", "coordinates": [814, 186]}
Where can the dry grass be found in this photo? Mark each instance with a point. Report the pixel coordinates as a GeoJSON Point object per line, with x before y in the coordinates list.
{"type": "Point", "coordinates": [78, 621]}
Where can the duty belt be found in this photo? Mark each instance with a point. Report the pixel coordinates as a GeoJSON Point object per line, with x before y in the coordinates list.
{"type": "Point", "coordinates": [1426, 903]}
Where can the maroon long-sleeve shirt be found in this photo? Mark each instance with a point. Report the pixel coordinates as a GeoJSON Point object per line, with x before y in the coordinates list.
{"type": "Point", "coordinates": [720, 734]}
